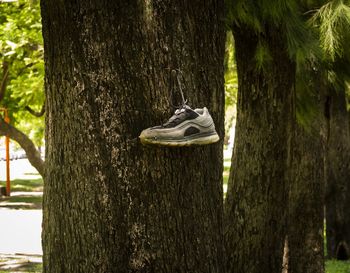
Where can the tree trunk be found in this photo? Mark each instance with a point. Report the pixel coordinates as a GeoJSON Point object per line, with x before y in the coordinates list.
{"type": "Point", "coordinates": [255, 208]}
{"type": "Point", "coordinates": [306, 199]}
{"type": "Point", "coordinates": [338, 178]}
{"type": "Point", "coordinates": [111, 204]}
{"type": "Point", "coordinates": [305, 234]}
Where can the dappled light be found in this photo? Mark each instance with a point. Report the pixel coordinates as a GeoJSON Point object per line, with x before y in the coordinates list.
{"type": "Point", "coordinates": [20, 263]}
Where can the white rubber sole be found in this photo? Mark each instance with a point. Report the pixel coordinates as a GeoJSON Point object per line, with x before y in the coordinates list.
{"type": "Point", "coordinates": [180, 143]}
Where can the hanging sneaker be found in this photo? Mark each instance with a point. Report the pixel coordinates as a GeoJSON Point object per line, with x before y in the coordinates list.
{"type": "Point", "coordinates": [186, 127]}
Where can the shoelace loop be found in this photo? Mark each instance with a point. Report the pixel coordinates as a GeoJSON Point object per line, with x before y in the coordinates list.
{"type": "Point", "coordinates": [178, 74]}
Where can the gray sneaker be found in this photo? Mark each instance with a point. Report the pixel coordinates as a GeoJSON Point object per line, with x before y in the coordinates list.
{"type": "Point", "coordinates": [186, 127]}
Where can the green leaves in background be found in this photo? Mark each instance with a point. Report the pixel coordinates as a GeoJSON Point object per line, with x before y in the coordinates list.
{"type": "Point", "coordinates": [21, 49]}
{"type": "Point", "coordinates": [231, 80]}
{"type": "Point", "coordinates": [231, 85]}
{"type": "Point", "coordinates": [333, 22]}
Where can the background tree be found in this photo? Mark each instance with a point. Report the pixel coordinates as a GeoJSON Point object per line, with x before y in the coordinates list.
{"type": "Point", "coordinates": [333, 20]}
{"type": "Point", "coordinates": [338, 175]}
{"type": "Point", "coordinates": [253, 186]}
{"type": "Point", "coordinates": [304, 247]}
{"type": "Point", "coordinates": [265, 167]}
{"type": "Point", "coordinates": [255, 207]}
{"type": "Point", "coordinates": [306, 198]}
{"type": "Point", "coordinates": [111, 204]}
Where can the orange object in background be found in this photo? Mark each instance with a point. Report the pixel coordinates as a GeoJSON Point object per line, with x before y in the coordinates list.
{"type": "Point", "coordinates": [7, 144]}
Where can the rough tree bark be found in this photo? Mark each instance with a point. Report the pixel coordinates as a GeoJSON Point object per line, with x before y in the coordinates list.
{"type": "Point", "coordinates": [305, 228]}
{"type": "Point", "coordinates": [256, 204]}
{"type": "Point", "coordinates": [306, 198]}
{"type": "Point", "coordinates": [111, 204]}
{"type": "Point", "coordinates": [338, 178]}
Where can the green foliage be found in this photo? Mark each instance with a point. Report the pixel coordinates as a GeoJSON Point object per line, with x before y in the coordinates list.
{"type": "Point", "coordinates": [21, 48]}
{"type": "Point", "coordinates": [333, 21]}
{"type": "Point", "coordinates": [231, 84]}
{"type": "Point", "coordinates": [262, 55]}
{"type": "Point", "coordinates": [256, 13]}
{"type": "Point", "coordinates": [285, 16]}
{"type": "Point", "coordinates": [241, 11]}
{"type": "Point", "coordinates": [302, 41]}
{"type": "Point", "coordinates": [231, 80]}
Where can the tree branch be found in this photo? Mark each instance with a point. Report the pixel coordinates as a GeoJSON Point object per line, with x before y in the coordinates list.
{"type": "Point", "coordinates": [34, 113]}
{"type": "Point", "coordinates": [27, 145]}
{"type": "Point", "coordinates": [25, 67]}
{"type": "Point", "coordinates": [5, 75]}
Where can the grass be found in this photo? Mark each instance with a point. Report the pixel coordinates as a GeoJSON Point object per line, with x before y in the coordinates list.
{"type": "Point", "coordinates": [226, 169]}
{"type": "Point", "coordinates": [20, 263]}
{"type": "Point", "coordinates": [26, 199]}
{"type": "Point", "coordinates": [26, 185]}
{"type": "Point", "coordinates": [21, 202]}
{"type": "Point", "coordinates": [334, 266]}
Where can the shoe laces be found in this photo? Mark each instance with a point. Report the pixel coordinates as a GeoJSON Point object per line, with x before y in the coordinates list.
{"type": "Point", "coordinates": [179, 112]}
{"type": "Point", "coordinates": [176, 74]}
{"type": "Point", "coordinates": [180, 109]}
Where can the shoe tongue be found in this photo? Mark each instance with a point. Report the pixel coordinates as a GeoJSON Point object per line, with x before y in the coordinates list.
{"type": "Point", "coordinates": [185, 112]}
{"type": "Point", "coordinates": [182, 109]}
